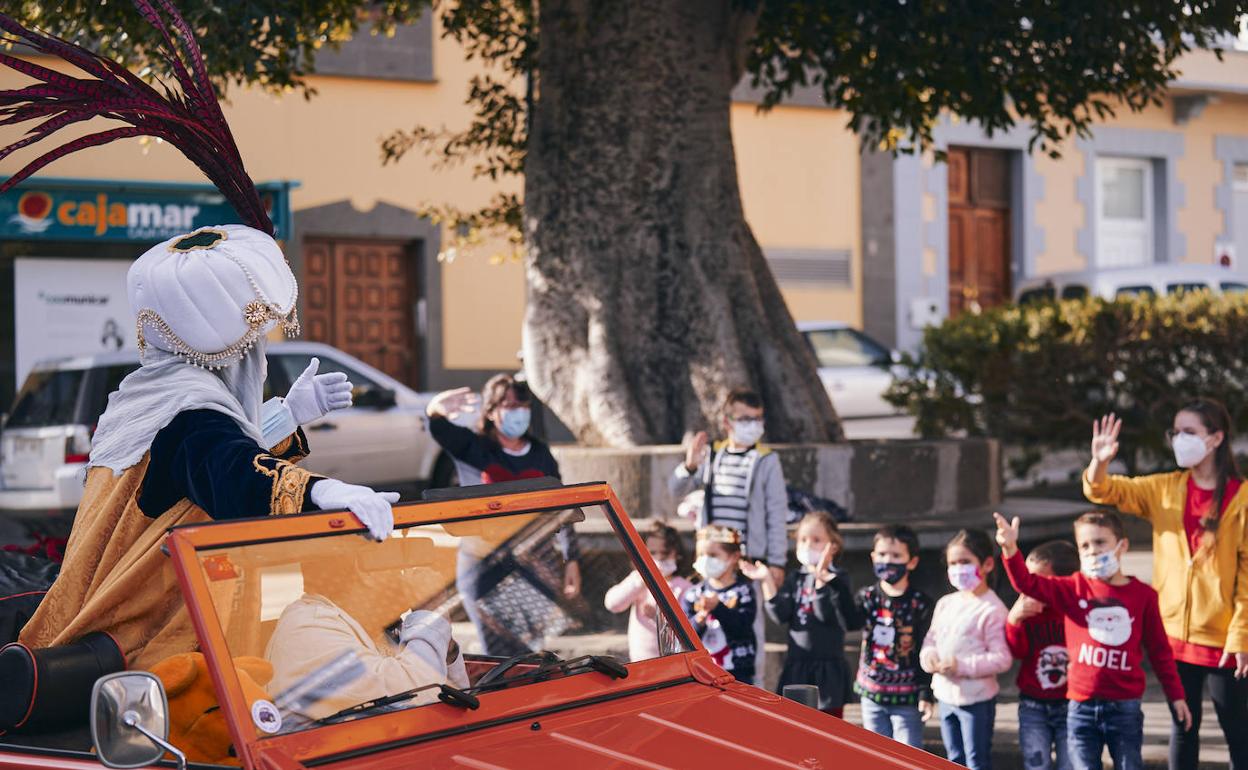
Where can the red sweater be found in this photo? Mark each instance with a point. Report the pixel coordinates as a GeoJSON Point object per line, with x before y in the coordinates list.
{"type": "Point", "coordinates": [1108, 628]}
{"type": "Point", "coordinates": [1040, 643]}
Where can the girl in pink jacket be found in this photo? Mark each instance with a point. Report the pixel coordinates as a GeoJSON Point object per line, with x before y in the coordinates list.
{"type": "Point", "coordinates": [965, 650]}
{"type": "Point", "coordinates": [631, 593]}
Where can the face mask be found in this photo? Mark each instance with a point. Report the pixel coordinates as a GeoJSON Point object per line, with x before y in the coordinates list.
{"type": "Point", "coordinates": [514, 423]}
{"type": "Point", "coordinates": [1100, 566]}
{"type": "Point", "coordinates": [964, 577]}
{"type": "Point", "coordinates": [890, 572]}
{"type": "Point", "coordinates": [1188, 450]}
{"type": "Point", "coordinates": [747, 432]}
{"type": "Point", "coordinates": [666, 566]}
{"type": "Point", "coordinates": [710, 567]}
{"type": "Point", "coordinates": [809, 557]}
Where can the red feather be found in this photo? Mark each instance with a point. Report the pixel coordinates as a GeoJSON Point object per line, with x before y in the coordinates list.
{"type": "Point", "coordinates": [189, 118]}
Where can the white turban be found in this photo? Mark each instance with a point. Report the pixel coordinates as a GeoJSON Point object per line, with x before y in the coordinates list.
{"type": "Point", "coordinates": [207, 296]}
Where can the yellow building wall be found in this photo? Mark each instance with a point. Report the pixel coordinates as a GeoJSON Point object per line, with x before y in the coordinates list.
{"type": "Point", "coordinates": [1198, 169]}
{"type": "Point", "coordinates": [799, 174]}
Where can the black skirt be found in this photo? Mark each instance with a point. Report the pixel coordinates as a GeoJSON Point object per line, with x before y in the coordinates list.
{"type": "Point", "coordinates": [831, 675]}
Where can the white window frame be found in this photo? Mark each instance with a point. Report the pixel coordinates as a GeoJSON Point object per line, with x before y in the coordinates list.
{"type": "Point", "coordinates": [1104, 226]}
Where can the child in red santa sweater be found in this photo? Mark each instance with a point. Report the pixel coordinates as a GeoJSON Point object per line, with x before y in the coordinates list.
{"type": "Point", "coordinates": [1110, 620]}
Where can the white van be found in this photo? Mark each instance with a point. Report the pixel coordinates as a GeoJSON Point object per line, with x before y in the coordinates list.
{"type": "Point", "coordinates": [1151, 281]}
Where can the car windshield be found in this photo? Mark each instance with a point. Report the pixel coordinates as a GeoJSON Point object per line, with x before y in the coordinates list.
{"type": "Point", "coordinates": [846, 347]}
{"type": "Point", "coordinates": [1177, 288]}
{"type": "Point", "coordinates": [48, 397]}
{"type": "Point", "coordinates": [352, 626]}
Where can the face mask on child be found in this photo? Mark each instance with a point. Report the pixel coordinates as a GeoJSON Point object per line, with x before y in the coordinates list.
{"type": "Point", "coordinates": [1189, 450]}
{"type": "Point", "coordinates": [1099, 566]}
{"type": "Point", "coordinates": [809, 557]}
{"type": "Point", "coordinates": [964, 577]}
{"type": "Point", "coordinates": [514, 423]}
{"type": "Point", "coordinates": [747, 432]}
{"type": "Point", "coordinates": [666, 567]}
{"type": "Point", "coordinates": [710, 567]}
{"type": "Point", "coordinates": [890, 572]}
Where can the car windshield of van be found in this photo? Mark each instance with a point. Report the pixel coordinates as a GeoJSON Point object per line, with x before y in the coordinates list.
{"type": "Point", "coordinates": [1135, 291]}
{"type": "Point", "coordinates": [1232, 287]}
{"type": "Point", "coordinates": [1176, 288]}
{"type": "Point", "coordinates": [1042, 294]}
{"type": "Point", "coordinates": [48, 397]}
{"type": "Point", "coordinates": [459, 609]}
{"type": "Point", "coordinates": [1074, 291]}
{"type": "Point", "coordinates": [846, 347]}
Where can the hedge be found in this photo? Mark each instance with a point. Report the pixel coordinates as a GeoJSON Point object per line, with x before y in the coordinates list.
{"type": "Point", "coordinates": [1036, 375]}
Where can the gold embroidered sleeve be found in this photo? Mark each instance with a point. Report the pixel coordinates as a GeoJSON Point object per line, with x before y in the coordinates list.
{"type": "Point", "coordinates": [293, 448]}
{"type": "Point", "coordinates": [289, 483]}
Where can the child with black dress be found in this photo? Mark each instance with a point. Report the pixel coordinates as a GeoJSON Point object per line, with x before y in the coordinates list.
{"type": "Point", "coordinates": [722, 606]}
{"type": "Point", "coordinates": [817, 602]}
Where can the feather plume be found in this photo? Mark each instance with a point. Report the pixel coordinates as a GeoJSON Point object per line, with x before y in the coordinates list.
{"type": "Point", "coordinates": [188, 117]}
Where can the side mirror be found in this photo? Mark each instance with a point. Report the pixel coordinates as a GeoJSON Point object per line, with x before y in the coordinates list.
{"type": "Point", "coordinates": [130, 720]}
{"type": "Point", "coordinates": [373, 397]}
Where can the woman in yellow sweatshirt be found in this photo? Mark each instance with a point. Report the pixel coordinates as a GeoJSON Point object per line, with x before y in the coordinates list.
{"type": "Point", "coordinates": [1200, 562]}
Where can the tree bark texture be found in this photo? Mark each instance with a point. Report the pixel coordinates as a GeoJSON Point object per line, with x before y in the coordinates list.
{"type": "Point", "coordinates": [648, 297]}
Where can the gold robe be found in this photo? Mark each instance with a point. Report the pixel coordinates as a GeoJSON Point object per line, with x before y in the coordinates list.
{"type": "Point", "coordinates": [115, 577]}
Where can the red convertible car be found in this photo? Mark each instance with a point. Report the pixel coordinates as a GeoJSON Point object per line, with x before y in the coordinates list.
{"type": "Point", "coordinates": [429, 650]}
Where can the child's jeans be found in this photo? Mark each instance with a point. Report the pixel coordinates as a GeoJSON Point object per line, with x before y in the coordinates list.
{"type": "Point", "coordinates": [1042, 733]}
{"type": "Point", "coordinates": [901, 723]}
{"type": "Point", "coordinates": [967, 732]}
{"type": "Point", "coordinates": [1094, 725]}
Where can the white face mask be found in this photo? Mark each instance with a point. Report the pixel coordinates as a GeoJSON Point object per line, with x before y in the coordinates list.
{"type": "Point", "coordinates": [1189, 450]}
{"type": "Point", "coordinates": [667, 567]}
{"type": "Point", "coordinates": [964, 577]}
{"type": "Point", "coordinates": [747, 432]}
{"type": "Point", "coordinates": [809, 557]}
{"type": "Point", "coordinates": [710, 567]}
{"type": "Point", "coordinates": [1099, 566]}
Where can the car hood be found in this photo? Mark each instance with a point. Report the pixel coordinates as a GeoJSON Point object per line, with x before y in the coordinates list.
{"type": "Point", "coordinates": [686, 725]}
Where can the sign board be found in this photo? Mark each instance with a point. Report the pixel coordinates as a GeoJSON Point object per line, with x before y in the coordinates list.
{"type": "Point", "coordinates": [102, 210]}
{"type": "Point", "coordinates": [69, 307]}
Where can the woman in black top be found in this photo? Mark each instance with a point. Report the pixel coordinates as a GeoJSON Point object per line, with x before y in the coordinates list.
{"type": "Point", "coordinates": [502, 448]}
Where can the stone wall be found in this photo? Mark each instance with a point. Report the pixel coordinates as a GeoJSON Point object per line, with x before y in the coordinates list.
{"type": "Point", "coordinates": [874, 480]}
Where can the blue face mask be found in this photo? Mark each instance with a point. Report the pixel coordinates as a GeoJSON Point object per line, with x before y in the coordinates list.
{"type": "Point", "coordinates": [514, 423]}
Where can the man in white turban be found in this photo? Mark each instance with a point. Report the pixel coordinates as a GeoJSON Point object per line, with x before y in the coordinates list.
{"type": "Point", "coordinates": [183, 441]}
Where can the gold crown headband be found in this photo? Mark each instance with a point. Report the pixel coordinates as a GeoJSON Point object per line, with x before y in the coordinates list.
{"type": "Point", "coordinates": [256, 313]}
{"type": "Point", "coordinates": [719, 534]}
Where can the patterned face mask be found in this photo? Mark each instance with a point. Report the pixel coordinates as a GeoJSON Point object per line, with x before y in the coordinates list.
{"type": "Point", "coordinates": [1099, 566]}
{"type": "Point", "coordinates": [964, 577]}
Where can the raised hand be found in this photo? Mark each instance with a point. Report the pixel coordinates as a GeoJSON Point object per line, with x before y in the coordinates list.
{"type": "Point", "coordinates": [696, 451]}
{"type": "Point", "coordinates": [1007, 534]}
{"type": "Point", "coordinates": [823, 572]}
{"type": "Point", "coordinates": [312, 395]}
{"type": "Point", "coordinates": [754, 570]}
{"type": "Point", "coordinates": [452, 403]}
{"type": "Point", "coordinates": [1105, 438]}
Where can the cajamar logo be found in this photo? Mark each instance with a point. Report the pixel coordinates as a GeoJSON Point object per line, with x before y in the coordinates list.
{"type": "Point", "coordinates": [33, 209]}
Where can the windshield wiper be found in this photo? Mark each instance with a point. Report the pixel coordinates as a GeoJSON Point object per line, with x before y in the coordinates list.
{"type": "Point", "coordinates": [452, 696]}
{"type": "Point", "coordinates": [603, 664]}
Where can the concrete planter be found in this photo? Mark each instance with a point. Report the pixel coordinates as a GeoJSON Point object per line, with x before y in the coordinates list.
{"type": "Point", "coordinates": [874, 480]}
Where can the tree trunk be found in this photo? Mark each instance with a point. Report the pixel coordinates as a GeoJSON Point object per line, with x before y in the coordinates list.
{"type": "Point", "coordinates": [649, 298]}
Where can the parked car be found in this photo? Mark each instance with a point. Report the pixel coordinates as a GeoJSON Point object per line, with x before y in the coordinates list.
{"type": "Point", "coordinates": [1151, 280]}
{"type": "Point", "coordinates": [581, 708]}
{"type": "Point", "coordinates": [46, 439]}
{"type": "Point", "coordinates": [855, 369]}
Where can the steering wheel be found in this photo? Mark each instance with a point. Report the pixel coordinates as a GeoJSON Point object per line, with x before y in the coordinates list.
{"type": "Point", "coordinates": [497, 673]}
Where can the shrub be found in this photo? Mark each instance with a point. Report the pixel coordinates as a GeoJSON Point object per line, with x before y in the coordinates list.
{"type": "Point", "coordinates": [1037, 375]}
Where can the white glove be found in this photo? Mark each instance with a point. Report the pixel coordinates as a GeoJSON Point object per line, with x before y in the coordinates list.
{"type": "Point", "coordinates": [427, 635]}
{"type": "Point", "coordinates": [371, 508]}
{"type": "Point", "coordinates": [312, 396]}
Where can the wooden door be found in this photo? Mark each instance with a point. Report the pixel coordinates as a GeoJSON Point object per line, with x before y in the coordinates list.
{"type": "Point", "coordinates": [359, 296]}
{"type": "Point", "coordinates": [979, 229]}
